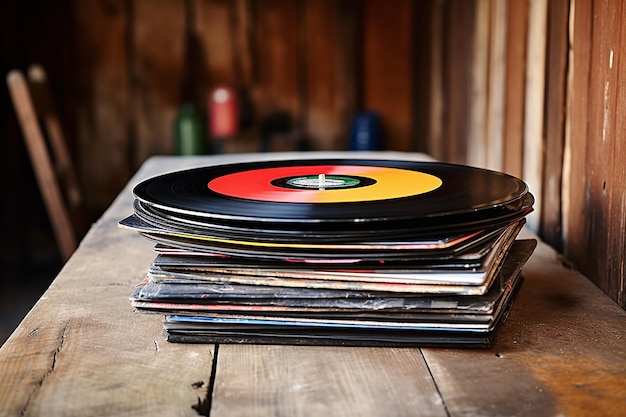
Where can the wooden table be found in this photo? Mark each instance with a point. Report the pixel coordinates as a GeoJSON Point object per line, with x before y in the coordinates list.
{"type": "Point", "coordinates": [83, 351]}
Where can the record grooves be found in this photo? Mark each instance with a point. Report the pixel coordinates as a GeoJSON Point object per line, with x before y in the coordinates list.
{"type": "Point", "coordinates": [462, 189]}
{"type": "Point", "coordinates": [359, 252]}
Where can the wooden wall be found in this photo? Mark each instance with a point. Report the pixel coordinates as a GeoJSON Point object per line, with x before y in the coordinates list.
{"type": "Point", "coordinates": [319, 62]}
{"type": "Point", "coordinates": [538, 91]}
{"type": "Point", "coordinates": [594, 185]}
{"type": "Point", "coordinates": [529, 87]}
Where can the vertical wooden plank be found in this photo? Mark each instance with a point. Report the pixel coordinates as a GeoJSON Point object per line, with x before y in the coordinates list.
{"type": "Point", "coordinates": [323, 119]}
{"type": "Point", "coordinates": [516, 36]}
{"type": "Point", "coordinates": [435, 146]}
{"type": "Point", "coordinates": [158, 47]}
{"type": "Point", "coordinates": [102, 111]}
{"type": "Point", "coordinates": [497, 73]}
{"type": "Point", "coordinates": [596, 168]}
{"type": "Point", "coordinates": [347, 26]}
{"type": "Point", "coordinates": [427, 17]}
{"type": "Point", "coordinates": [225, 32]}
{"type": "Point", "coordinates": [386, 68]}
{"type": "Point", "coordinates": [479, 85]}
{"type": "Point", "coordinates": [458, 32]}
{"type": "Point", "coordinates": [575, 185]}
{"type": "Point", "coordinates": [534, 105]}
{"type": "Point", "coordinates": [213, 24]}
{"type": "Point", "coordinates": [556, 74]}
{"type": "Point", "coordinates": [245, 60]}
{"type": "Point", "coordinates": [276, 36]}
{"type": "Point", "coordinates": [41, 161]}
{"type": "Point", "coordinates": [617, 184]}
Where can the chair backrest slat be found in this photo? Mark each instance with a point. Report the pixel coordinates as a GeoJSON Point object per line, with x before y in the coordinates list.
{"type": "Point", "coordinates": [42, 163]}
{"type": "Point", "coordinates": [45, 108]}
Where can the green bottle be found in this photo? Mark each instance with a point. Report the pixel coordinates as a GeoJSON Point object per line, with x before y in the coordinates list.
{"type": "Point", "coordinates": [189, 131]}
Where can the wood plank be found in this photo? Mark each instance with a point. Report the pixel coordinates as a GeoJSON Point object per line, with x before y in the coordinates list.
{"type": "Point", "coordinates": [158, 68]}
{"type": "Point", "coordinates": [560, 352]}
{"type": "Point", "coordinates": [516, 36]}
{"type": "Point", "coordinates": [349, 72]}
{"type": "Point", "coordinates": [575, 181]}
{"type": "Point", "coordinates": [387, 78]}
{"type": "Point", "coordinates": [534, 105]}
{"type": "Point", "coordinates": [225, 34]}
{"type": "Point", "coordinates": [602, 201]}
{"type": "Point", "coordinates": [214, 24]}
{"type": "Point", "coordinates": [435, 92]}
{"type": "Point", "coordinates": [245, 59]}
{"type": "Point", "coordinates": [478, 80]}
{"type": "Point", "coordinates": [83, 351]}
{"type": "Point", "coordinates": [102, 113]}
{"type": "Point", "coordinates": [557, 60]}
{"type": "Point", "coordinates": [458, 29]}
{"type": "Point", "coordinates": [617, 186]}
{"type": "Point", "coordinates": [426, 78]}
{"type": "Point", "coordinates": [497, 74]}
{"type": "Point", "coordinates": [300, 381]}
{"type": "Point", "coordinates": [325, 82]}
{"type": "Point", "coordinates": [47, 110]}
{"type": "Point", "coordinates": [562, 338]}
{"type": "Point", "coordinates": [47, 178]}
{"type": "Point", "coordinates": [276, 35]}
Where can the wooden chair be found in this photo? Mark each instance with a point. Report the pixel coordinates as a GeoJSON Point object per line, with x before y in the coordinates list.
{"type": "Point", "coordinates": [48, 153]}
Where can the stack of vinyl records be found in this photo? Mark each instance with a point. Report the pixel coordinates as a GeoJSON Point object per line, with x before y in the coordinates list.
{"type": "Point", "coordinates": [332, 252]}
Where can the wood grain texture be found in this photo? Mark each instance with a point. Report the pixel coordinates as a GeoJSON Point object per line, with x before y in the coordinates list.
{"type": "Point", "coordinates": [516, 36]}
{"type": "Point", "coordinates": [387, 81]}
{"type": "Point", "coordinates": [479, 84]}
{"type": "Point", "coordinates": [350, 73]}
{"type": "Point", "coordinates": [457, 32]}
{"type": "Point", "coordinates": [102, 113]}
{"type": "Point", "coordinates": [309, 381]}
{"type": "Point", "coordinates": [425, 63]}
{"type": "Point", "coordinates": [597, 209]}
{"type": "Point", "coordinates": [534, 147]}
{"type": "Point", "coordinates": [276, 46]}
{"type": "Point", "coordinates": [497, 92]}
{"type": "Point", "coordinates": [157, 69]}
{"type": "Point", "coordinates": [556, 63]}
{"type": "Point", "coordinates": [215, 23]}
{"type": "Point", "coordinates": [435, 145]}
{"type": "Point", "coordinates": [575, 151]}
{"type": "Point", "coordinates": [326, 83]}
{"type": "Point", "coordinates": [562, 341]}
{"type": "Point", "coordinates": [83, 351]}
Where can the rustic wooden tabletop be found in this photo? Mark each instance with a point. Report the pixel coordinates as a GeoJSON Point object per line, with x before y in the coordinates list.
{"type": "Point", "coordinates": [83, 351]}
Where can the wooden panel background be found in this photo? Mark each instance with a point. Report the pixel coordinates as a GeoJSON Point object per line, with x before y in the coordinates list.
{"type": "Point", "coordinates": [596, 187]}
{"type": "Point", "coordinates": [534, 88]}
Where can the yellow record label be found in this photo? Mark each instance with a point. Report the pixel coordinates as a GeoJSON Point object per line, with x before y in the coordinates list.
{"type": "Point", "coordinates": [325, 184]}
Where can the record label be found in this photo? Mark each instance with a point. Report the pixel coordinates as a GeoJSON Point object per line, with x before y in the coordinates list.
{"type": "Point", "coordinates": [322, 182]}
{"type": "Point", "coordinates": [325, 184]}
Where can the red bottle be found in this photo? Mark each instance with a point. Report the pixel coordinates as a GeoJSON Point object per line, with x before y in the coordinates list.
{"type": "Point", "coordinates": [223, 113]}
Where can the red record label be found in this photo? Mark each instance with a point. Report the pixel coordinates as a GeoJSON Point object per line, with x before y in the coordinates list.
{"type": "Point", "coordinates": [324, 184]}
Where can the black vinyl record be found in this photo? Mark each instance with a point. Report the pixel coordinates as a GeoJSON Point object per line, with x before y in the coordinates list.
{"type": "Point", "coordinates": [334, 191]}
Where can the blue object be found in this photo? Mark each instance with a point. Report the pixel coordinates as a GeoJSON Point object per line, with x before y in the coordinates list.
{"type": "Point", "coordinates": [365, 134]}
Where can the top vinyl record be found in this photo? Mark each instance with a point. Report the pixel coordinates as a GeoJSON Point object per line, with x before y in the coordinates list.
{"type": "Point", "coordinates": [333, 190]}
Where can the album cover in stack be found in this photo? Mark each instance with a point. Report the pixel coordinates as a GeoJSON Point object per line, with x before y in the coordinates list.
{"type": "Point", "coordinates": [332, 252]}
